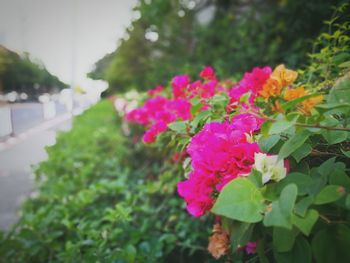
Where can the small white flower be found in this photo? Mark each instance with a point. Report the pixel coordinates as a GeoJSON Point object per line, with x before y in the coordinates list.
{"type": "Point", "coordinates": [269, 167]}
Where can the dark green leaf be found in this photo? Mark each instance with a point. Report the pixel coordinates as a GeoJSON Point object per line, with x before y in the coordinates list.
{"type": "Point", "coordinates": [302, 152]}
{"type": "Point", "coordinates": [283, 239]}
{"type": "Point", "coordinates": [326, 167]}
{"type": "Point", "coordinates": [338, 176]}
{"type": "Point", "coordinates": [241, 234]}
{"type": "Point", "coordinates": [303, 182]}
{"type": "Point", "coordinates": [266, 144]}
{"type": "Point", "coordinates": [293, 143]}
{"type": "Point", "coordinates": [332, 244]}
{"type": "Point", "coordinates": [300, 253]}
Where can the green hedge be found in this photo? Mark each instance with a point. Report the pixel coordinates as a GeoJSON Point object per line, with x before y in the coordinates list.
{"type": "Point", "coordinates": [103, 198]}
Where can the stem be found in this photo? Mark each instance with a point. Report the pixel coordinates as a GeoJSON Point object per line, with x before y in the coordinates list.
{"type": "Point", "coordinates": [322, 127]}
{"type": "Point", "coordinates": [306, 125]}
{"type": "Point", "coordinates": [318, 153]}
{"type": "Point", "coordinates": [327, 220]}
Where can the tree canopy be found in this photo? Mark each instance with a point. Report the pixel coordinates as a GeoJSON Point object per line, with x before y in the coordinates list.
{"type": "Point", "coordinates": [175, 36]}
{"type": "Point", "coordinates": [21, 74]}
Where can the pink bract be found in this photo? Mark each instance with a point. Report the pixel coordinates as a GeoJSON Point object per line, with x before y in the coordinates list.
{"type": "Point", "coordinates": [219, 153]}
{"type": "Point", "coordinates": [208, 73]}
{"type": "Point", "coordinates": [252, 82]}
{"type": "Point", "coordinates": [156, 90]}
{"type": "Point", "coordinates": [179, 85]}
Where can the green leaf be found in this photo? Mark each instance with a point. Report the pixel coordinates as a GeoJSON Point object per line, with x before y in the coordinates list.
{"type": "Point", "coordinates": [340, 93]}
{"type": "Point", "coordinates": [178, 126]}
{"type": "Point", "coordinates": [333, 137]}
{"type": "Point", "coordinates": [338, 176]}
{"type": "Point", "coordinates": [281, 211]}
{"type": "Point", "coordinates": [329, 194]}
{"type": "Point", "coordinates": [261, 251]}
{"type": "Point", "coordinates": [326, 167]}
{"type": "Point", "coordinates": [345, 64]}
{"type": "Point", "coordinates": [305, 224]}
{"type": "Point", "coordinates": [241, 200]}
{"type": "Point", "coordinates": [196, 105]}
{"type": "Point", "coordinates": [346, 153]}
{"type": "Point", "coordinates": [332, 244]}
{"type": "Point", "coordinates": [130, 252]}
{"type": "Point", "coordinates": [266, 144]}
{"type": "Point", "coordinates": [300, 253]}
{"type": "Point", "coordinates": [265, 127]}
{"type": "Point", "coordinates": [241, 234]}
{"type": "Point", "coordinates": [347, 201]}
{"type": "Point", "coordinates": [293, 143]}
{"type": "Point", "coordinates": [280, 126]}
{"type": "Point", "coordinates": [302, 181]}
{"type": "Point", "coordinates": [256, 178]}
{"type": "Point", "coordinates": [220, 100]}
{"type": "Point", "coordinates": [283, 239]}
{"type": "Point", "coordinates": [200, 117]}
{"type": "Point", "coordinates": [302, 152]}
{"type": "Point", "coordinates": [302, 206]}
{"type": "Point", "coordinates": [245, 97]}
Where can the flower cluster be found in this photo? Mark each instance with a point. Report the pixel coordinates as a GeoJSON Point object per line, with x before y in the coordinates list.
{"type": "Point", "coordinates": [280, 78]}
{"type": "Point", "coordinates": [252, 82]}
{"type": "Point", "coordinates": [221, 146]}
{"type": "Point", "coordinates": [220, 153]}
{"type": "Point", "coordinates": [158, 111]}
{"type": "Point", "coordinates": [306, 105]}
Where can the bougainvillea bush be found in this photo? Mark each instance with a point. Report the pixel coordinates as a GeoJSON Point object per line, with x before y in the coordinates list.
{"type": "Point", "coordinates": [267, 156]}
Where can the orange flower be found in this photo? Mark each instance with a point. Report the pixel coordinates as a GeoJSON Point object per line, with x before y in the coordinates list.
{"type": "Point", "coordinates": [306, 105]}
{"type": "Point", "coordinates": [285, 76]}
{"type": "Point", "coordinates": [219, 242]}
{"type": "Point", "coordinates": [309, 104]}
{"type": "Point", "coordinates": [279, 78]}
{"type": "Point", "coordinates": [293, 94]}
{"type": "Point", "coordinates": [271, 88]}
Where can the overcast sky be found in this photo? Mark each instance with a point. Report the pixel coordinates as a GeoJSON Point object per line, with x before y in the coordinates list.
{"type": "Point", "coordinates": [45, 28]}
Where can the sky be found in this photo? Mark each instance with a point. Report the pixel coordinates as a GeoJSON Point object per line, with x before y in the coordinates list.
{"type": "Point", "coordinates": [67, 36]}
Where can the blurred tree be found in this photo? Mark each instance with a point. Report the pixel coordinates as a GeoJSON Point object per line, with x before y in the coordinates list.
{"type": "Point", "coordinates": [176, 36]}
{"type": "Point", "coordinates": [21, 74]}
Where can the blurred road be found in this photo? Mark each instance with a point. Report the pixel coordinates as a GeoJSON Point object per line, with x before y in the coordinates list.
{"type": "Point", "coordinates": [28, 115]}
{"type": "Point", "coordinates": [16, 181]}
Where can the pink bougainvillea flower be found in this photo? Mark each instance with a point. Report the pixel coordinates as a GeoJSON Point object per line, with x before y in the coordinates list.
{"type": "Point", "coordinates": [208, 89]}
{"type": "Point", "coordinates": [208, 73]}
{"type": "Point", "coordinates": [250, 248]}
{"type": "Point", "coordinates": [246, 122]}
{"type": "Point", "coordinates": [220, 153]}
{"type": "Point", "coordinates": [180, 107]}
{"type": "Point", "coordinates": [196, 193]}
{"type": "Point", "coordinates": [179, 85]}
{"type": "Point", "coordinates": [139, 115]}
{"type": "Point", "coordinates": [251, 82]}
{"type": "Point", "coordinates": [152, 133]}
{"type": "Point", "coordinates": [156, 90]}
